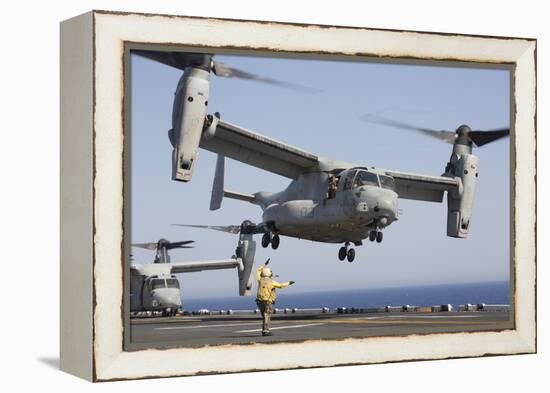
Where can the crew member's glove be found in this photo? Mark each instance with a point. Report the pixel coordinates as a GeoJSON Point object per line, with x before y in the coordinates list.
{"type": "Point", "coordinates": [291, 282]}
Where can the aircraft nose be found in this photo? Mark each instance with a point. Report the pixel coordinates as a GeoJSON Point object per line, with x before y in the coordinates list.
{"type": "Point", "coordinates": [168, 297]}
{"type": "Point", "coordinates": [386, 205]}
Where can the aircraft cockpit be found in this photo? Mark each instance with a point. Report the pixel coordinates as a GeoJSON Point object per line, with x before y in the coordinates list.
{"type": "Point", "coordinates": [387, 182]}
{"type": "Point", "coordinates": [362, 177]}
{"type": "Point", "coordinates": [156, 283]}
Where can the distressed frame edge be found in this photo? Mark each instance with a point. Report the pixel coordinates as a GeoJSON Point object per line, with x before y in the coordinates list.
{"type": "Point", "coordinates": [525, 103]}
{"type": "Point", "coordinates": [76, 196]}
{"type": "Point", "coordinates": [528, 339]}
{"type": "Point", "coordinates": [305, 24]}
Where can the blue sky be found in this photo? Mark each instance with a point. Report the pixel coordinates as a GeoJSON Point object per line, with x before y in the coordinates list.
{"type": "Point", "coordinates": [415, 250]}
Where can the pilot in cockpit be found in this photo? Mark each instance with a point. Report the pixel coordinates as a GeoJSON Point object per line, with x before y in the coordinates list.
{"type": "Point", "coordinates": [332, 186]}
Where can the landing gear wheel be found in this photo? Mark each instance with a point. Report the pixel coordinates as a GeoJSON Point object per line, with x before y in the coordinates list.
{"type": "Point", "coordinates": [266, 239]}
{"type": "Point", "coordinates": [351, 255]}
{"type": "Point", "coordinates": [372, 235]}
{"type": "Point", "coordinates": [275, 241]}
{"type": "Point", "coordinates": [379, 237]}
{"type": "Point", "coordinates": [342, 253]}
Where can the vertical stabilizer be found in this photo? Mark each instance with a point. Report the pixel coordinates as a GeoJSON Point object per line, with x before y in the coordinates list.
{"type": "Point", "coordinates": [217, 186]}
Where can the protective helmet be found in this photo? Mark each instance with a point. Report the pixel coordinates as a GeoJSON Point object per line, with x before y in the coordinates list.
{"type": "Point", "coordinates": [266, 272]}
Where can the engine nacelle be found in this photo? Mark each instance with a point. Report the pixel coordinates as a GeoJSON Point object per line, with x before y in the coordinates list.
{"type": "Point", "coordinates": [188, 114]}
{"type": "Point", "coordinates": [246, 250]}
{"type": "Point", "coordinates": [459, 204]}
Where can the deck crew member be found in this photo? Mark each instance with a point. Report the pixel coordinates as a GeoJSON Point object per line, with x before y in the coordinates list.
{"type": "Point", "coordinates": [266, 295]}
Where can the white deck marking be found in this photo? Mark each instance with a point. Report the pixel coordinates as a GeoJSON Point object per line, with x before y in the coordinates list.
{"type": "Point", "coordinates": [428, 316]}
{"type": "Point", "coordinates": [309, 324]}
{"type": "Point", "coordinates": [206, 326]}
{"type": "Point", "coordinates": [281, 327]}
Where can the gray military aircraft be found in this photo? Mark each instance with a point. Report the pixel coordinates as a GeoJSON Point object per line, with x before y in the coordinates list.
{"type": "Point", "coordinates": [154, 286]}
{"type": "Point", "coordinates": [327, 200]}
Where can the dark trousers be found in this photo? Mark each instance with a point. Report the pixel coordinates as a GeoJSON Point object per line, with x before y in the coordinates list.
{"type": "Point", "coordinates": [266, 308]}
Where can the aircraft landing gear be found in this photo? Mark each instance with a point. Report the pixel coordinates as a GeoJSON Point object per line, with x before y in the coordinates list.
{"type": "Point", "coordinates": [376, 235]}
{"type": "Point", "coordinates": [268, 239]}
{"type": "Point", "coordinates": [275, 241]}
{"type": "Point", "coordinates": [342, 253]}
{"type": "Point", "coordinates": [346, 252]}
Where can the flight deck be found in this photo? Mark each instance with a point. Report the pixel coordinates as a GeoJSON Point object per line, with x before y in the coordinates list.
{"type": "Point", "coordinates": [198, 330]}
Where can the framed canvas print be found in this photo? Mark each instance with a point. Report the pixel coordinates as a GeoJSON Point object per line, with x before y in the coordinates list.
{"type": "Point", "coordinates": [244, 195]}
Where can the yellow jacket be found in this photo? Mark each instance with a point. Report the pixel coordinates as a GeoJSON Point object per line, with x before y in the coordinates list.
{"type": "Point", "coordinates": [266, 287]}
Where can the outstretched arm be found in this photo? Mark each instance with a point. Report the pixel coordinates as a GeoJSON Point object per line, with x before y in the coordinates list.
{"type": "Point", "coordinates": [281, 284]}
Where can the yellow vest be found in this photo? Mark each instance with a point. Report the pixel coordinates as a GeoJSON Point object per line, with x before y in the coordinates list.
{"type": "Point", "coordinates": [266, 290]}
{"type": "Point", "coordinates": [266, 287]}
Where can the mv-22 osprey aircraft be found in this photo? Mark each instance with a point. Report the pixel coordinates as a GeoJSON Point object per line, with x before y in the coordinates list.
{"type": "Point", "coordinates": [327, 200]}
{"type": "Point", "coordinates": [154, 286]}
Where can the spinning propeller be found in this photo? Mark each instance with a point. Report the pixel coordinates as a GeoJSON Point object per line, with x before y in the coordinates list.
{"type": "Point", "coordinates": [478, 137]}
{"type": "Point", "coordinates": [235, 229]}
{"type": "Point", "coordinates": [163, 243]}
{"type": "Point", "coordinates": [162, 247]}
{"type": "Point", "coordinates": [247, 227]}
{"type": "Point", "coordinates": [181, 60]}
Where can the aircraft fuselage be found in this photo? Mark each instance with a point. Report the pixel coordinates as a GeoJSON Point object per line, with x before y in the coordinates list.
{"type": "Point", "coordinates": [307, 210]}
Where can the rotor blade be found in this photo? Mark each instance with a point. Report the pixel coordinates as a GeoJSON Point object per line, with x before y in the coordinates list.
{"type": "Point", "coordinates": [166, 58]}
{"type": "Point", "coordinates": [181, 244]}
{"type": "Point", "coordinates": [228, 228]}
{"type": "Point", "coordinates": [147, 246]}
{"type": "Point", "coordinates": [446, 136]}
{"type": "Point", "coordinates": [481, 138]}
{"type": "Point", "coordinates": [181, 60]}
{"type": "Point", "coordinates": [178, 60]}
{"type": "Point", "coordinates": [226, 71]}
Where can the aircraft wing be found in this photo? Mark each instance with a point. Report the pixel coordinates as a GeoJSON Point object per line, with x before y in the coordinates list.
{"type": "Point", "coordinates": [422, 187]}
{"type": "Point", "coordinates": [257, 150]}
{"type": "Point", "coordinates": [189, 267]}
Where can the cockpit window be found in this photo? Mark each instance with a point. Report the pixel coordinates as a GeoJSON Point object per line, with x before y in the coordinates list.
{"type": "Point", "coordinates": [158, 283]}
{"type": "Point", "coordinates": [349, 179]}
{"type": "Point", "coordinates": [365, 178]}
{"type": "Point", "coordinates": [172, 283]}
{"type": "Point", "coordinates": [387, 182]}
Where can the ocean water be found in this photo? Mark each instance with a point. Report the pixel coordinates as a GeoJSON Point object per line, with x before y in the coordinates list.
{"type": "Point", "coordinates": [455, 294]}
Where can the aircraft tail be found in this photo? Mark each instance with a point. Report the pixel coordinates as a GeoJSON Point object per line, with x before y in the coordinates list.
{"type": "Point", "coordinates": [218, 191]}
{"type": "Point", "coordinates": [217, 186]}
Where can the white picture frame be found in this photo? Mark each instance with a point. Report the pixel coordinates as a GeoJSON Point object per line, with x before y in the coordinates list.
{"type": "Point", "coordinates": [92, 192]}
